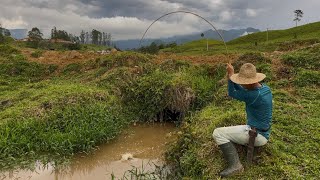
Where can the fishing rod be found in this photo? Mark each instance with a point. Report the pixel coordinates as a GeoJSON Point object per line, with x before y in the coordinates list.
{"type": "Point", "coordinates": [186, 12]}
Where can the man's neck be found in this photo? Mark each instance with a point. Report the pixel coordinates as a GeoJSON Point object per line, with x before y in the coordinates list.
{"type": "Point", "coordinates": [252, 86]}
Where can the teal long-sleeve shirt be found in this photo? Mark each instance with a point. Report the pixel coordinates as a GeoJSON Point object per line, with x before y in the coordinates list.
{"type": "Point", "coordinates": [258, 105]}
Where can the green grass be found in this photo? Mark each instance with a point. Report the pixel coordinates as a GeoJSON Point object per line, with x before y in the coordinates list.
{"type": "Point", "coordinates": [308, 31]}
{"type": "Point", "coordinates": [50, 116]}
{"type": "Point", "coordinates": [282, 40]}
{"type": "Point", "coordinates": [292, 150]}
{"type": "Point", "coordinates": [197, 47]}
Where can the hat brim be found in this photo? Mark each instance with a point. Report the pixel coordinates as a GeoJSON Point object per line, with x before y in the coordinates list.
{"type": "Point", "coordinates": [240, 80]}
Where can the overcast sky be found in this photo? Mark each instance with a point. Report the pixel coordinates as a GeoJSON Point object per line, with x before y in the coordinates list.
{"type": "Point", "coordinates": [128, 19]}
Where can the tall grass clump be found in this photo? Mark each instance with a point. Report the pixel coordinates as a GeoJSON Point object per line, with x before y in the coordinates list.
{"type": "Point", "coordinates": [307, 78]}
{"type": "Point", "coordinates": [7, 50]}
{"type": "Point", "coordinates": [145, 96]}
{"type": "Point", "coordinates": [306, 58]}
{"type": "Point", "coordinates": [66, 130]}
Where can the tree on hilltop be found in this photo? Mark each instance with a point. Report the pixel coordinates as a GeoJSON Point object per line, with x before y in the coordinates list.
{"type": "Point", "coordinates": [82, 37]}
{"type": "Point", "coordinates": [1, 36]}
{"type": "Point", "coordinates": [35, 34]}
{"type": "Point", "coordinates": [297, 16]}
{"type": "Point", "coordinates": [61, 34]}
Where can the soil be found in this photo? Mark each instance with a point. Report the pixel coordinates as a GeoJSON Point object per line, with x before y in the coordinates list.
{"type": "Point", "coordinates": [61, 58]}
{"type": "Point", "coordinates": [198, 59]}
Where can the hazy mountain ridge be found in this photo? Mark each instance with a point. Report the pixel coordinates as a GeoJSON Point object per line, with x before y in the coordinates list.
{"type": "Point", "coordinates": [227, 35]}
{"type": "Point", "coordinates": [135, 43]}
{"type": "Point", "coordinates": [18, 33]}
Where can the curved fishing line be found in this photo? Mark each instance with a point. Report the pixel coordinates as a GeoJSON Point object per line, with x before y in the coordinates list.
{"type": "Point", "coordinates": [187, 12]}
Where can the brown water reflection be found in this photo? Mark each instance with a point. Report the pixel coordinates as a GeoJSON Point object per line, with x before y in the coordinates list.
{"type": "Point", "coordinates": [145, 142]}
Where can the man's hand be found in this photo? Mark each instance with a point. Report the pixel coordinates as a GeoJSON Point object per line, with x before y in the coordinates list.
{"type": "Point", "coordinates": [230, 70]}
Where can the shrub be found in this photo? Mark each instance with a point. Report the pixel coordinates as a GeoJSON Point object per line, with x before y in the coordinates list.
{"type": "Point", "coordinates": [291, 45]}
{"type": "Point", "coordinates": [24, 69]}
{"type": "Point", "coordinates": [265, 69]}
{"type": "Point", "coordinates": [128, 59]}
{"type": "Point", "coordinates": [66, 130]}
{"type": "Point", "coordinates": [72, 68]}
{"type": "Point", "coordinates": [254, 58]}
{"type": "Point", "coordinates": [145, 96]}
{"type": "Point", "coordinates": [73, 46]}
{"type": "Point", "coordinates": [36, 54]}
{"type": "Point", "coordinates": [52, 68]}
{"type": "Point", "coordinates": [303, 59]}
{"type": "Point", "coordinates": [174, 65]}
{"type": "Point", "coordinates": [6, 50]}
{"type": "Point", "coordinates": [307, 78]}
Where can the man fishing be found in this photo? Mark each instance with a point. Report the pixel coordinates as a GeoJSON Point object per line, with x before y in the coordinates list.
{"type": "Point", "coordinates": [244, 86]}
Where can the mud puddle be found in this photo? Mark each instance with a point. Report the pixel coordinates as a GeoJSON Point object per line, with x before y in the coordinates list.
{"type": "Point", "coordinates": [139, 148]}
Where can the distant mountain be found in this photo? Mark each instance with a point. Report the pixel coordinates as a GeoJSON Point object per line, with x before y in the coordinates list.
{"type": "Point", "coordinates": [18, 33]}
{"type": "Point", "coordinates": [228, 35]}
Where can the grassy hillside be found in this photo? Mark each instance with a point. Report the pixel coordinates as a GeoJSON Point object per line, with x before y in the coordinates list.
{"type": "Point", "coordinates": [197, 47]}
{"type": "Point", "coordinates": [51, 111]}
{"type": "Point", "coordinates": [308, 31]}
{"type": "Point", "coordinates": [282, 40]}
{"type": "Point", "coordinates": [292, 150]}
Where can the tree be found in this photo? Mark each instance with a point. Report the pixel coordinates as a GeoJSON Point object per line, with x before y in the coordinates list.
{"type": "Point", "coordinates": [87, 38]}
{"type": "Point", "coordinates": [95, 36]}
{"type": "Point", "coordinates": [7, 33]}
{"type": "Point", "coordinates": [61, 34]}
{"type": "Point", "coordinates": [1, 35]}
{"type": "Point", "coordinates": [35, 34]}
{"type": "Point", "coordinates": [297, 16]}
{"type": "Point", "coordinates": [109, 38]}
{"type": "Point", "coordinates": [82, 37]}
{"type": "Point", "coordinates": [202, 35]}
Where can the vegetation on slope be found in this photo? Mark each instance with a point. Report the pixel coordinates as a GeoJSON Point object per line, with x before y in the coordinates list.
{"type": "Point", "coordinates": [280, 40]}
{"type": "Point", "coordinates": [308, 31]}
{"type": "Point", "coordinates": [49, 114]}
{"type": "Point", "coordinates": [292, 150]}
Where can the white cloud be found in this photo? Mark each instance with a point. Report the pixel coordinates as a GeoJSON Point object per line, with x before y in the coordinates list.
{"type": "Point", "coordinates": [251, 12]}
{"type": "Point", "coordinates": [129, 18]}
{"type": "Point", "coordinates": [226, 15]}
{"type": "Point", "coordinates": [13, 23]}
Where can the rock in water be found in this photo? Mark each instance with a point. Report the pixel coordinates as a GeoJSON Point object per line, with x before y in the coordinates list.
{"type": "Point", "coordinates": [126, 157]}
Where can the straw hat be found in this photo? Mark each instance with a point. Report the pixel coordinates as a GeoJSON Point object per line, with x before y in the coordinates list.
{"type": "Point", "coordinates": [247, 75]}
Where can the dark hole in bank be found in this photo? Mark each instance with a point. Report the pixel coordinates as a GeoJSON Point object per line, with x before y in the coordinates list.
{"type": "Point", "coordinates": [168, 115]}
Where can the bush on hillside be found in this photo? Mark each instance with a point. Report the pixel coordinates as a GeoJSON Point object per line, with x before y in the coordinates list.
{"type": "Point", "coordinates": [254, 58]}
{"type": "Point", "coordinates": [6, 50]}
{"type": "Point", "coordinates": [72, 68]}
{"type": "Point", "coordinates": [307, 78]}
{"type": "Point", "coordinates": [24, 69]}
{"type": "Point", "coordinates": [291, 45]}
{"type": "Point", "coordinates": [36, 54]}
{"type": "Point", "coordinates": [174, 65]}
{"type": "Point", "coordinates": [145, 96]}
{"type": "Point", "coordinates": [128, 59]}
{"type": "Point", "coordinates": [303, 59]}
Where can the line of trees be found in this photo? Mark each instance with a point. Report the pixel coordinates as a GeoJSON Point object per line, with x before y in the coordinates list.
{"type": "Point", "coordinates": [95, 37]}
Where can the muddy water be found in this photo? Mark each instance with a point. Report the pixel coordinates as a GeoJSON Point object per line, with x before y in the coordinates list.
{"type": "Point", "coordinates": [144, 142]}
